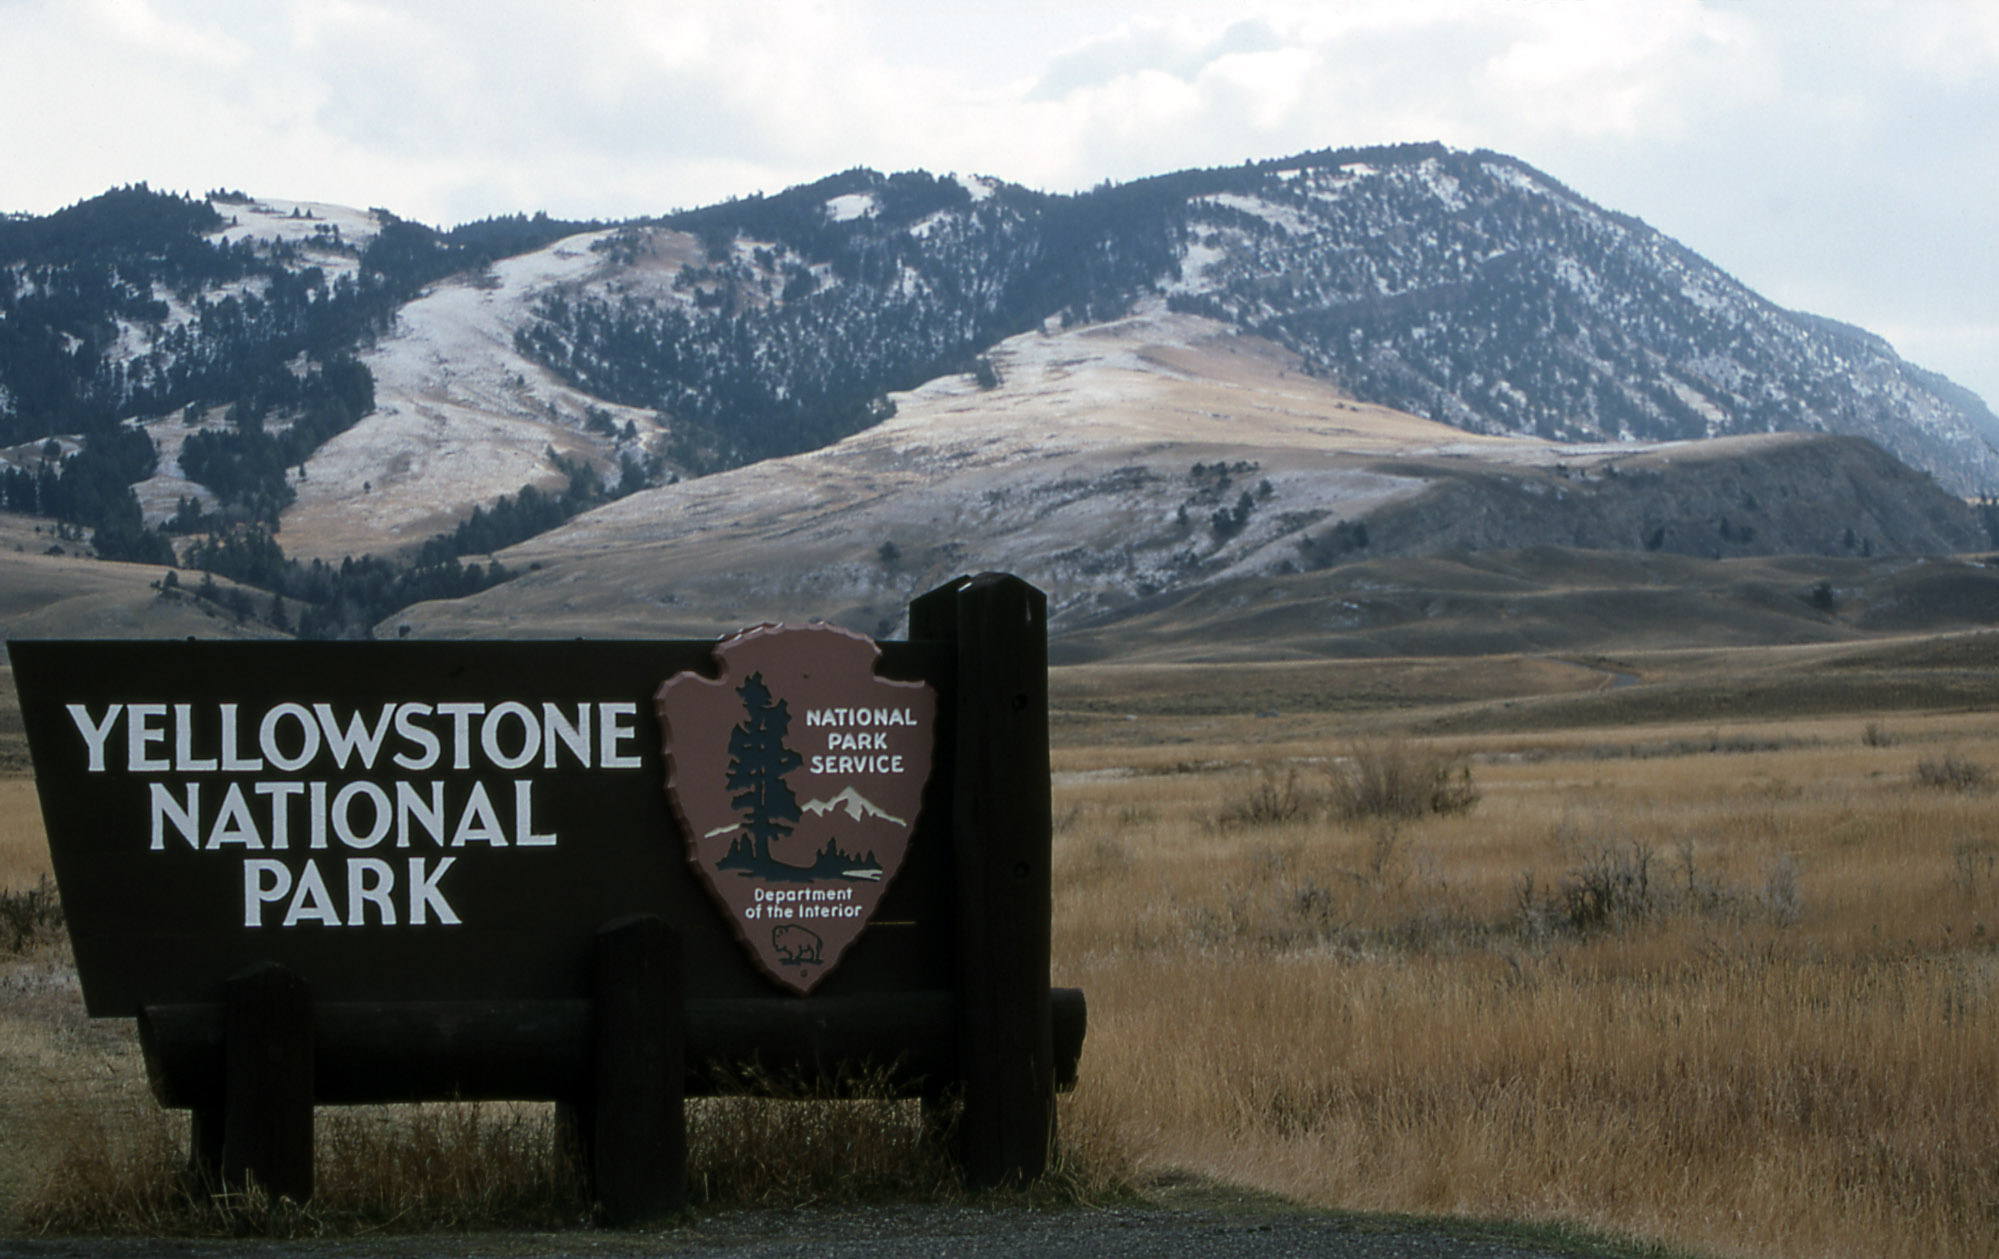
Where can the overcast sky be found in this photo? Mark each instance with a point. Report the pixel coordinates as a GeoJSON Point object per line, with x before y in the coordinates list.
{"type": "Point", "coordinates": [1838, 155]}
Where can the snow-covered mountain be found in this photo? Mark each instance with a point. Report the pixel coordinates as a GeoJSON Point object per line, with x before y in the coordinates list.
{"type": "Point", "coordinates": [1464, 287]}
{"type": "Point", "coordinates": [1200, 377]}
{"type": "Point", "coordinates": [1122, 462]}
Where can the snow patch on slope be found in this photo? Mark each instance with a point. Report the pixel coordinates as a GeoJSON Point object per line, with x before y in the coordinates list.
{"type": "Point", "coordinates": [461, 418]}
{"type": "Point", "coordinates": [299, 222]}
{"type": "Point", "coordinates": [851, 206]}
{"type": "Point", "coordinates": [1277, 215]}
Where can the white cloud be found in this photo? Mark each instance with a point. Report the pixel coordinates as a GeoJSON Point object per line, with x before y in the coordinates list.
{"type": "Point", "coordinates": [1836, 152]}
{"type": "Point", "coordinates": [1180, 49]}
{"type": "Point", "coordinates": [1622, 69]}
{"type": "Point", "coordinates": [449, 101]}
{"type": "Point", "coordinates": [1952, 41]}
{"type": "Point", "coordinates": [139, 26]}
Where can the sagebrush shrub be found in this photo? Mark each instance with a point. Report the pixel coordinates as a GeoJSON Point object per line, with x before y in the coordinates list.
{"type": "Point", "coordinates": [1396, 779]}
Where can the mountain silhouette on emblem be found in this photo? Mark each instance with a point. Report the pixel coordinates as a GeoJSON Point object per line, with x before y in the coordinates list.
{"type": "Point", "coordinates": [856, 805]}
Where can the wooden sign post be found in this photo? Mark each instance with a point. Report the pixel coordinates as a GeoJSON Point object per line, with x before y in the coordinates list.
{"type": "Point", "coordinates": [331, 873]}
{"type": "Point", "coordinates": [1001, 831]}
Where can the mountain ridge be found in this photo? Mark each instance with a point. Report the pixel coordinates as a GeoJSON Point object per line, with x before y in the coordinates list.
{"type": "Point", "coordinates": [1123, 464]}
{"type": "Point", "coordinates": [521, 373]}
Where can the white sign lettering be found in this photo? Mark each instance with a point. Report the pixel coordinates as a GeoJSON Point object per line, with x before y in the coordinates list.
{"type": "Point", "coordinates": [332, 782]}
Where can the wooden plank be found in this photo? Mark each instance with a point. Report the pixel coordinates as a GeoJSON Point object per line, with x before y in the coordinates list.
{"type": "Point", "coordinates": [204, 1148]}
{"type": "Point", "coordinates": [1002, 836]}
{"type": "Point", "coordinates": [638, 1128]}
{"type": "Point", "coordinates": [373, 1052]}
{"type": "Point", "coordinates": [267, 1085]}
{"type": "Point", "coordinates": [575, 1140]}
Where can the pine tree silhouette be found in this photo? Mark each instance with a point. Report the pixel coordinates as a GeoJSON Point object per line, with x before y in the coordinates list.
{"type": "Point", "coordinates": [758, 762]}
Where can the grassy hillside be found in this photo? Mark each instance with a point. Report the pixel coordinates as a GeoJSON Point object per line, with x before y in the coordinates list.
{"type": "Point", "coordinates": [50, 588]}
{"type": "Point", "coordinates": [1548, 599]}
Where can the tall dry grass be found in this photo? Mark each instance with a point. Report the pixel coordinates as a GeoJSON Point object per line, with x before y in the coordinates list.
{"type": "Point", "coordinates": [90, 1152]}
{"type": "Point", "coordinates": [24, 852]}
{"type": "Point", "coordinates": [117, 1165]}
{"type": "Point", "coordinates": [460, 1166]}
{"type": "Point", "coordinates": [1731, 990]}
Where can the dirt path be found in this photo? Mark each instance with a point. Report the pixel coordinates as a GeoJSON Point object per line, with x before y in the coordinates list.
{"type": "Point", "coordinates": [907, 1232]}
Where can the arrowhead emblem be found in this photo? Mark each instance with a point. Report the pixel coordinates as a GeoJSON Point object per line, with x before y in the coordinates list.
{"type": "Point", "coordinates": [796, 777]}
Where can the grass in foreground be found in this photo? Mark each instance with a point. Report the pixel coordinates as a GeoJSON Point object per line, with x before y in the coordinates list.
{"type": "Point", "coordinates": [464, 1166]}
{"type": "Point", "coordinates": [1729, 987]}
{"type": "Point", "coordinates": [1730, 990]}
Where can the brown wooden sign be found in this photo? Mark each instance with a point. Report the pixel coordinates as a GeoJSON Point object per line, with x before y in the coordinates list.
{"type": "Point", "coordinates": [369, 872]}
{"type": "Point", "coordinates": [399, 821]}
{"type": "Point", "coordinates": [797, 777]}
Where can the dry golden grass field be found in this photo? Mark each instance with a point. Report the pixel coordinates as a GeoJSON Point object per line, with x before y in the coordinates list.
{"type": "Point", "coordinates": [1694, 947]}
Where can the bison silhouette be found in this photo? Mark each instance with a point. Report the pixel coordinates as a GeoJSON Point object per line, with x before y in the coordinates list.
{"type": "Point", "coordinates": [795, 945]}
